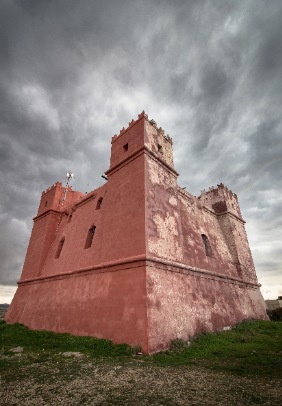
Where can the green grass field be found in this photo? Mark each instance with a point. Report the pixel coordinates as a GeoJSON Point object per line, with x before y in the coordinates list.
{"type": "Point", "coordinates": [241, 366]}
{"type": "Point", "coordinates": [251, 348]}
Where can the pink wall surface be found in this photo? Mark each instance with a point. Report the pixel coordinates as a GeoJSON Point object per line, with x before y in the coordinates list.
{"type": "Point", "coordinates": [106, 303]}
{"type": "Point", "coordinates": [183, 303]}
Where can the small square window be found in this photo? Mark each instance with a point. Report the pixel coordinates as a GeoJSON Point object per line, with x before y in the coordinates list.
{"type": "Point", "coordinates": [125, 147]}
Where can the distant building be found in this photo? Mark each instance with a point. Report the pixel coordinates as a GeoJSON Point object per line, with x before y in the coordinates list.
{"type": "Point", "coordinates": [274, 304]}
{"type": "Point", "coordinates": [138, 260]}
{"type": "Point", "coordinates": [3, 310]}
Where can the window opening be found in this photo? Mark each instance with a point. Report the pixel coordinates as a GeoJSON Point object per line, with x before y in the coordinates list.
{"type": "Point", "coordinates": [60, 247]}
{"type": "Point", "coordinates": [207, 245]}
{"type": "Point", "coordinates": [69, 218]}
{"type": "Point", "coordinates": [160, 149]}
{"type": "Point", "coordinates": [125, 147]}
{"type": "Point", "coordinates": [46, 203]}
{"type": "Point", "coordinates": [99, 203]}
{"type": "Point", "coordinates": [90, 237]}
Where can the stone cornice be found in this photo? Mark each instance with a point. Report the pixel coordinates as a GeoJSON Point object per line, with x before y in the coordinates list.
{"type": "Point", "coordinates": [142, 261]}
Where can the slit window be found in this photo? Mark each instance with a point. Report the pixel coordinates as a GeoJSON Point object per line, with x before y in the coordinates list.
{"type": "Point", "coordinates": [99, 203]}
{"type": "Point", "coordinates": [160, 149]}
{"type": "Point", "coordinates": [207, 245]}
{"type": "Point", "coordinates": [90, 236]}
{"type": "Point", "coordinates": [60, 247]}
{"type": "Point", "coordinates": [125, 147]}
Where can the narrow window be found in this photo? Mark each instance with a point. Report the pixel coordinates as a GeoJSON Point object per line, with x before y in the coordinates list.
{"type": "Point", "coordinates": [69, 218]}
{"type": "Point", "coordinates": [206, 245]}
{"type": "Point", "coordinates": [90, 237]}
{"type": "Point", "coordinates": [160, 149]}
{"type": "Point", "coordinates": [46, 203]}
{"type": "Point", "coordinates": [99, 203]}
{"type": "Point", "coordinates": [125, 147]}
{"type": "Point", "coordinates": [60, 247]}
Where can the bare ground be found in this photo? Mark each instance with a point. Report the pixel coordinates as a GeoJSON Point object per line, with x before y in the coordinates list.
{"type": "Point", "coordinates": [77, 380]}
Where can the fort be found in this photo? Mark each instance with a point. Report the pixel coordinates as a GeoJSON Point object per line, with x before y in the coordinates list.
{"type": "Point", "coordinates": [138, 260]}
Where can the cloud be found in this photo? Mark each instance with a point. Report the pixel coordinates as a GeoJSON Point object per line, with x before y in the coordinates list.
{"type": "Point", "coordinates": [13, 243]}
{"type": "Point", "coordinates": [72, 74]}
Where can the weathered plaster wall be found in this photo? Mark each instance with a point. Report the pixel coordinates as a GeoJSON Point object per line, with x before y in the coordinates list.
{"type": "Point", "coordinates": [182, 305]}
{"type": "Point", "coordinates": [162, 217]}
{"type": "Point", "coordinates": [221, 199]}
{"type": "Point", "coordinates": [158, 143]}
{"type": "Point", "coordinates": [176, 220]}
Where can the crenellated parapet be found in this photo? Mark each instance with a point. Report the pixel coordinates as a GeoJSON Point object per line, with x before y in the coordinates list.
{"type": "Point", "coordinates": [56, 184]}
{"type": "Point", "coordinates": [221, 200]}
{"type": "Point", "coordinates": [130, 125]}
{"type": "Point", "coordinates": [133, 122]}
{"type": "Point", "coordinates": [57, 197]}
{"type": "Point", "coordinates": [141, 134]}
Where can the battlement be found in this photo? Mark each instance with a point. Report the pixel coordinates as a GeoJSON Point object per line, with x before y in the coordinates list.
{"type": "Point", "coordinates": [221, 200]}
{"type": "Point", "coordinates": [53, 198]}
{"type": "Point", "coordinates": [133, 122]}
{"type": "Point", "coordinates": [221, 186]}
{"type": "Point", "coordinates": [141, 134]}
{"type": "Point", "coordinates": [52, 187]}
{"type": "Point", "coordinates": [160, 130]}
{"type": "Point", "coordinates": [130, 124]}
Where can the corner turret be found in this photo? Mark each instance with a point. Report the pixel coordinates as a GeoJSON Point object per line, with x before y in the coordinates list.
{"type": "Point", "coordinates": [221, 200]}
{"type": "Point", "coordinates": [57, 198]}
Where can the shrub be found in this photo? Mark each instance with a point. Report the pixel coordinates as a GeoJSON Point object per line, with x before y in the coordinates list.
{"type": "Point", "coordinates": [275, 314]}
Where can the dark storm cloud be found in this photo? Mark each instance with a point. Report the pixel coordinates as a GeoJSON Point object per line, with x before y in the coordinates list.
{"type": "Point", "coordinates": [73, 73]}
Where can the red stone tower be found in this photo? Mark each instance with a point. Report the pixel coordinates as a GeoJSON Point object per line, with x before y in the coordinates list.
{"type": "Point", "coordinates": [138, 260]}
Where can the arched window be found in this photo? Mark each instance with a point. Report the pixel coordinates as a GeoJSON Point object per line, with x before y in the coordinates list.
{"type": "Point", "coordinates": [90, 236]}
{"type": "Point", "coordinates": [99, 203]}
{"type": "Point", "coordinates": [207, 245]}
{"type": "Point", "coordinates": [60, 247]}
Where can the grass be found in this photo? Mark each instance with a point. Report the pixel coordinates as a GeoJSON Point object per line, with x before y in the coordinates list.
{"type": "Point", "coordinates": [14, 335]}
{"type": "Point", "coordinates": [248, 359]}
{"type": "Point", "coordinates": [250, 349]}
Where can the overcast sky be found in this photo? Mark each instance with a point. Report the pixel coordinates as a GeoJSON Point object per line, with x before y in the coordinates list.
{"type": "Point", "coordinates": [73, 73]}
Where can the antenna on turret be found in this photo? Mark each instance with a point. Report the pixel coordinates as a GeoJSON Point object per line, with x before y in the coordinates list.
{"type": "Point", "coordinates": [69, 176]}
